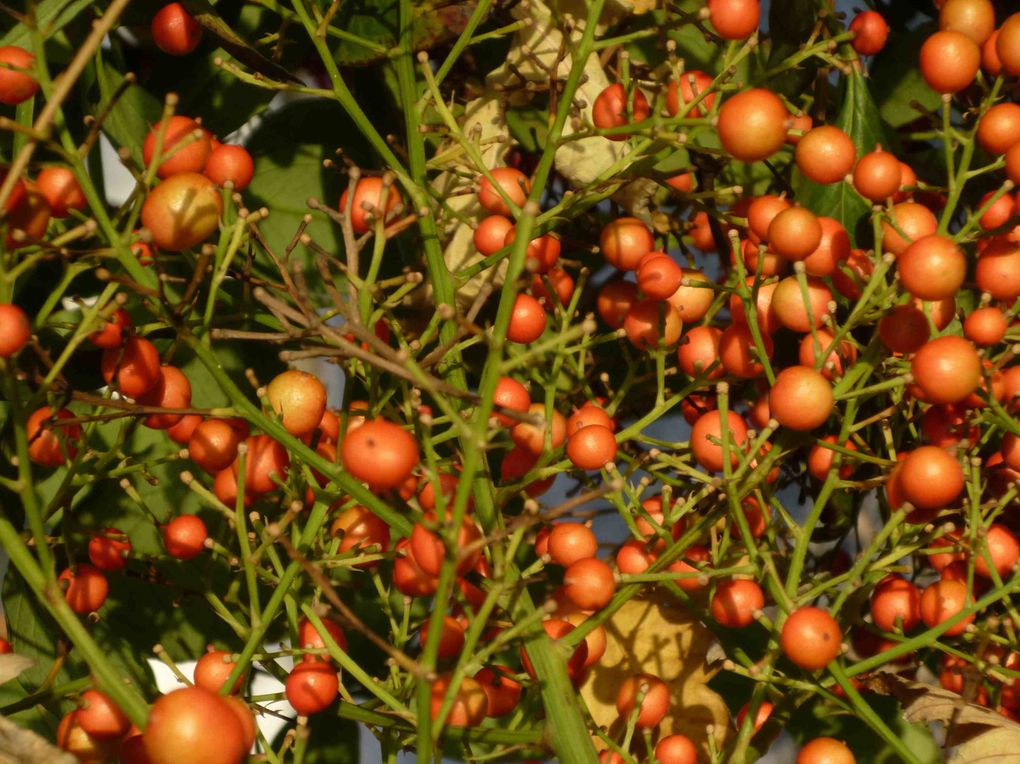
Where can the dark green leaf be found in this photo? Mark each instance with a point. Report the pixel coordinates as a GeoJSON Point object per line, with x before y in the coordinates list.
{"type": "Point", "coordinates": [818, 719]}
{"type": "Point", "coordinates": [35, 635]}
{"type": "Point", "coordinates": [288, 172]}
{"type": "Point", "coordinates": [135, 112]}
{"type": "Point", "coordinates": [335, 741]}
{"type": "Point", "coordinates": [674, 162]}
{"type": "Point", "coordinates": [51, 15]}
{"type": "Point", "coordinates": [331, 740]}
{"type": "Point", "coordinates": [374, 20]}
{"type": "Point", "coordinates": [529, 126]}
{"type": "Point", "coordinates": [691, 45]}
{"type": "Point", "coordinates": [140, 614]}
{"type": "Point", "coordinates": [790, 26]}
{"type": "Point", "coordinates": [901, 13]}
{"type": "Point", "coordinates": [234, 44]}
{"type": "Point", "coordinates": [858, 118]}
{"type": "Point", "coordinates": [436, 22]}
{"type": "Point", "coordinates": [897, 82]}
{"type": "Point", "coordinates": [222, 101]}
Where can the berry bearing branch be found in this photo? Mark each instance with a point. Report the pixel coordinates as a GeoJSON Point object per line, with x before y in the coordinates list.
{"type": "Point", "coordinates": [625, 382]}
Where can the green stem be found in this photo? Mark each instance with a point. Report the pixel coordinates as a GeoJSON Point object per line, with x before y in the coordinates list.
{"type": "Point", "coordinates": [109, 679]}
{"type": "Point", "coordinates": [868, 715]}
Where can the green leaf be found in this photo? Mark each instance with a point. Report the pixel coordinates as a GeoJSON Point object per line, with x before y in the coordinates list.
{"type": "Point", "coordinates": [674, 161]}
{"type": "Point", "coordinates": [858, 118]}
{"type": "Point", "coordinates": [51, 15]}
{"type": "Point", "coordinates": [222, 101]}
{"type": "Point", "coordinates": [436, 22]}
{"type": "Point", "coordinates": [529, 126]}
{"type": "Point", "coordinates": [790, 26]}
{"type": "Point", "coordinates": [897, 82]}
{"type": "Point", "coordinates": [331, 740]}
{"type": "Point", "coordinates": [36, 636]}
{"type": "Point", "coordinates": [289, 171]}
{"type": "Point", "coordinates": [135, 112]}
{"type": "Point", "coordinates": [819, 719]}
{"type": "Point", "coordinates": [234, 44]}
{"type": "Point", "coordinates": [374, 20]}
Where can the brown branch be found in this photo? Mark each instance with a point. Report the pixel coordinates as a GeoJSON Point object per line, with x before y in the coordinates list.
{"type": "Point", "coordinates": [346, 614]}
{"type": "Point", "coordinates": [64, 83]}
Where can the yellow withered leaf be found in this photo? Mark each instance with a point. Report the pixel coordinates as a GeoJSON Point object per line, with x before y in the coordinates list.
{"type": "Point", "coordinates": [659, 636]}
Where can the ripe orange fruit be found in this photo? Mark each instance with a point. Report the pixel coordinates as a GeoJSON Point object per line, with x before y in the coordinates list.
{"type": "Point", "coordinates": [514, 184]}
{"type": "Point", "coordinates": [651, 322]}
{"type": "Point", "coordinates": [896, 603]}
{"type": "Point", "coordinates": [826, 154]}
{"type": "Point", "coordinates": [949, 61]}
{"type": "Point", "coordinates": [870, 32]}
{"type": "Point", "coordinates": [299, 398]}
{"type": "Point", "coordinates": [372, 198]}
{"type": "Point", "coordinates": [654, 703]}
{"type": "Point", "coordinates": [692, 84]}
{"type": "Point", "coordinates": [801, 398]}
{"type": "Point", "coordinates": [611, 109]}
{"type": "Point", "coordinates": [135, 365]}
{"type": "Point", "coordinates": [735, 602]}
{"type": "Point", "coordinates": [182, 151]}
{"type": "Point", "coordinates": [825, 750]}
{"type": "Point", "coordinates": [16, 86]}
{"type": "Point", "coordinates": [175, 31]}
{"type": "Point", "coordinates": [625, 241]}
{"type": "Point", "coordinates": [931, 478]}
{"type": "Point", "coordinates": [947, 369]}
{"type": "Point", "coordinates": [1007, 45]}
{"type": "Point", "coordinates": [941, 601]}
{"type": "Point", "coordinates": [734, 19]}
{"type": "Point", "coordinates": [999, 128]}
{"type": "Point", "coordinates": [752, 124]}
{"type": "Point", "coordinates": [706, 439]}
{"type": "Point", "coordinates": [230, 163]}
{"type": "Point", "coordinates": [794, 233]}
{"type": "Point", "coordinates": [527, 321]}
{"type": "Point", "coordinates": [811, 638]}
{"type": "Point", "coordinates": [932, 268]}
{"type": "Point", "coordinates": [381, 453]}
{"type": "Point", "coordinates": [915, 220]}
{"type": "Point", "coordinates": [15, 329]}
{"type": "Point", "coordinates": [591, 447]}
{"type": "Point", "coordinates": [61, 190]}
{"type": "Point", "coordinates": [194, 722]}
{"type": "Point", "coordinates": [182, 211]}
{"type": "Point", "coordinates": [974, 18]}
{"type": "Point", "coordinates": [878, 175]}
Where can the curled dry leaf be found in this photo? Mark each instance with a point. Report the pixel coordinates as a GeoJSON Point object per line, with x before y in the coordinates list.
{"type": "Point", "coordinates": [22, 746]}
{"type": "Point", "coordinates": [536, 55]}
{"type": "Point", "coordinates": [663, 639]}
{"type": "Point", "coordinates": [974, 733]}
{"type": "Point", "coordinates": [485, 118]}
{"type": "Point", "coordinates": [12, 664]}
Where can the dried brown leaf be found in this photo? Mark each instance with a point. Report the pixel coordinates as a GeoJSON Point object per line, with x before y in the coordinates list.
{"type": "Point", "coordinates": [976, 733]}
{"type": "Point", "coordinates": [664, 639]}
{"type": "Point", "coordinates": [12, 664]}
{"type": "Point", "coordinates": [534, 55]}
{"type": "Point", "coordinates": [997, 746]}
{"type": "Point", "coordinates": [22, 746]}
